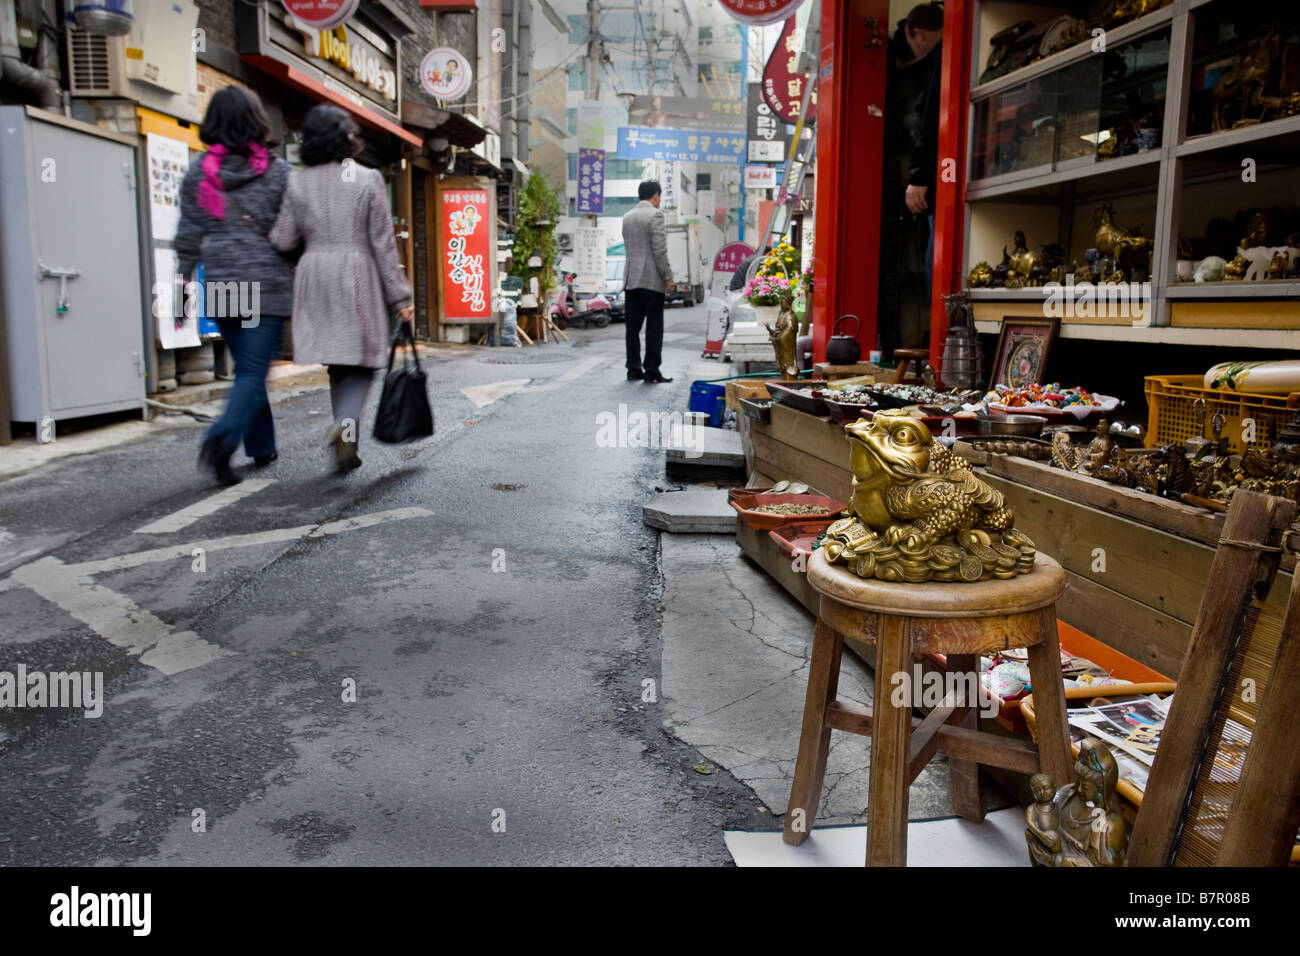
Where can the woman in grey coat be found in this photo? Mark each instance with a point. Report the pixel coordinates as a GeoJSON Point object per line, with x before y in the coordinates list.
{"type": "Point", "coordinates": [349, 281]}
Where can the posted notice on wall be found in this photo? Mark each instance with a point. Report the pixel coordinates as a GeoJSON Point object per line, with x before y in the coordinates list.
{"type": "Point", "coordinates": [589, 259]}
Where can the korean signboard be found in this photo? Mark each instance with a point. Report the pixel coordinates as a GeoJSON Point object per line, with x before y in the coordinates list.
{"type": "Point", "coordinates": [466, 252]}
{"type": "Point", "coordinates": [783, 85]}
{"type": "Point", "coordinates": [446, 74]}
{"type": "Point", "coordinates": [687, 146]}
{"type": "Point", "coordinates": [767, 136]}
{"type": "Point", "coordinates": [687, 112]}
{"type": "Point", "coordinates": [591, 181]}
{"type": "Point", "coordinates": [322, 14]}
{"type": "Point", "coordinates": [730, 256]}
{"type": "Point", "coordinates": [589, 259]}
{"type": "Point", "coordinates": [758, 12]}
{"type": "Point", "coordinates": [760, 177]}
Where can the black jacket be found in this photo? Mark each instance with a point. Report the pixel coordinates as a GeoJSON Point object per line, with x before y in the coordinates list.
{"type": "Point", "coordinates": [230, 249]}
{"type": "Point", "coordinates": [925, 135]}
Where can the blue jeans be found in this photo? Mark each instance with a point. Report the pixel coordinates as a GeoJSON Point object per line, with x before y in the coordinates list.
{"type": "Point", "coordinates": [248, 410]}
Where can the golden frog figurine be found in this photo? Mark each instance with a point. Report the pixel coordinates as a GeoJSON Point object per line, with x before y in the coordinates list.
{"type": "Point", "coordinates": [981, 275]}
{"type": "Point", "coordinates": [919, 513]}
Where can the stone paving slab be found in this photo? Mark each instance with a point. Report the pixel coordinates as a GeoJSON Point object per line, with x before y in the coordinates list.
{"type": "Point", "coordinates": [699, 510]}
{"type": "Point", "coordinates": [708, 447]}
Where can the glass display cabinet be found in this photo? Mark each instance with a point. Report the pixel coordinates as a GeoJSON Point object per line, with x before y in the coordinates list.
{"type": "Point", "coordinates": [1173, 128]}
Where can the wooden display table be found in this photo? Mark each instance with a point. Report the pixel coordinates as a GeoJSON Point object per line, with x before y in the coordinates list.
{"type": "Point", "coordinates": [962, 621]}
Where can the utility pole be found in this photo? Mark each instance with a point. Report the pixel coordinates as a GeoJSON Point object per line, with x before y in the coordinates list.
{"type": "Point", "coordinates": [594, 51]}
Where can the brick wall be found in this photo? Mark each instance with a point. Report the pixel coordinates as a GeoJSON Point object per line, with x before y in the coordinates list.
{"type": "Point", "coordinates": [217, 20]}
{"type": "Point", "coordinates": [209, 81]}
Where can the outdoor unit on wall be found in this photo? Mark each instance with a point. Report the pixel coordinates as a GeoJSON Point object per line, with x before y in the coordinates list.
{"type": "Point", "coordinates": [96, 64]}
{"type": "Point", "coordinates": [158, 51]}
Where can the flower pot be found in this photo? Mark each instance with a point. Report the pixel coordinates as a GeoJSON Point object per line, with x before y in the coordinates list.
{"type": "Point", "coordinates": [766, 315]}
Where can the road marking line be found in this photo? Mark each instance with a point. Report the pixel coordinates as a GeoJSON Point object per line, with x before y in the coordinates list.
{"type": "Point", "coordinates": [252, 539]}
{"type": "Point", "coordinates": [117, 618]}
{"type": "Point", "coordinates": [201, 509]}
{"type": "Point", "coordinates": [125, 624]}
{"type": "Point", "coordinates": [484, 395]}
{"type": "Point", "coordinates": [582, 368]}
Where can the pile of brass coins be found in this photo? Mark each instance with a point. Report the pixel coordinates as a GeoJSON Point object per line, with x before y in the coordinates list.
{"type": "Point", "coordinates": [989, 555]}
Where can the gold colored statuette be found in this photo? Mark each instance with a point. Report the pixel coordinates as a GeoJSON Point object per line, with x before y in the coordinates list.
{"type": "Point", "coordinates": [919, 513]}
{"type": "Point", "coordinates": [785, 338]}
{"type": "Point", "coordinates": [1080, 824]}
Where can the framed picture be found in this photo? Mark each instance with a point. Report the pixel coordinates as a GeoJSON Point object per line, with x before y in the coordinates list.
{"type": "Point", "coordinates": [1023, 347]}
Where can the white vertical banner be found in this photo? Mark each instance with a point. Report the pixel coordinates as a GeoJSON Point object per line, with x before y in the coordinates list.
{"type": "Point", "coordinates": [668, 182]}
{"type": "Point", "coordinates": [589, 259]}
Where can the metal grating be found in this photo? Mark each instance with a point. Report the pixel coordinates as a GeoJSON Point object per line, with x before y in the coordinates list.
{"type": "Point", "coordinates": [89, 64]}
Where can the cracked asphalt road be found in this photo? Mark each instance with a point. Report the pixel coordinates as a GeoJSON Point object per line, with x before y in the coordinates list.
{"type": "Point", "coordinates": [509, 696]}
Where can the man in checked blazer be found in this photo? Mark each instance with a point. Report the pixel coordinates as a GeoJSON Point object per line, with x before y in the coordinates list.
{"type": "Point", "coordinates": [646, 279]}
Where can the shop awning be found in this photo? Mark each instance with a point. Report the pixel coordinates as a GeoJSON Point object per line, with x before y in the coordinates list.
{"type": "Point", "coordinates": [458, 128]}
{"type": "Point", "coordinates": [313, 87]}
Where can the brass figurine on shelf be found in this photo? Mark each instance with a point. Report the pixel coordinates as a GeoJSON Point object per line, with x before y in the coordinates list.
{"type": "Point", "coordinates": [1235, 270]}
{"type": "Point", "coordinates": [1080, 824]}
{"type": "Point", "coordinates": [918, 511]}
{"type": "Point", "coordinates": [981, 275]}
{"type": "Point", "coordinates": [1122, 11]}
{"type": "Point", "coordinates": [1258, 88]}
{"type": "Point", "coordinates": [1086, 461]}
{"type": "Point", "coordinates": [1280, 265]}
{"type": "Point", "coordinates": [1115, 241]}
{"type": "Point", "coordinates": [784, 335]}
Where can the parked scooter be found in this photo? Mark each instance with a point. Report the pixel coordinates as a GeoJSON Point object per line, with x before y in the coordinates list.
{"type": "Point", "coordinates": [583, 313]}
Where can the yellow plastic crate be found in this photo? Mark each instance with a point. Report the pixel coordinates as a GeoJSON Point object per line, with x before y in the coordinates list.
{"type": "Point", "coordinates": [1172, 415]}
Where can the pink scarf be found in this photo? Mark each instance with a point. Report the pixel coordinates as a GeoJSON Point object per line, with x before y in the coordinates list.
{"type": "Point", "coordinates": [211, 189]}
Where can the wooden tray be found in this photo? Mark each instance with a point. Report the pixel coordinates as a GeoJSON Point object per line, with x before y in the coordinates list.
{"type": "Point", "coordinates": [783, 393]}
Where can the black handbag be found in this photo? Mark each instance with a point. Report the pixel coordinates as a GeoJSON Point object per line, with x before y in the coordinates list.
{"type": "Point", "coordinates": [404, 412]}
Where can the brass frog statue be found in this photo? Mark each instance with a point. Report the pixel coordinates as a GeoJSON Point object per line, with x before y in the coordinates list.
{"type": "Point", "coordinates": [919, 513]}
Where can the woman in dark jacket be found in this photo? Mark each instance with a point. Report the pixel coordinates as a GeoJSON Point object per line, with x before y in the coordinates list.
{"type": "Point", "coordinates": [229, 201]}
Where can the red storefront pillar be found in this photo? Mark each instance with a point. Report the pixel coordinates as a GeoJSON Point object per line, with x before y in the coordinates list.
{"type": "Point", "coordinates": [950, 189]}
{"type": "Point", "coordinates": [850, 142]}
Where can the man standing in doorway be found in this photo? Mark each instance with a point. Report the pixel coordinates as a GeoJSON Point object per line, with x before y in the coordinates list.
{"type": "Point", "coordinates": [646, 281]}
{"type": "Point", "coordinates": [924, 31]}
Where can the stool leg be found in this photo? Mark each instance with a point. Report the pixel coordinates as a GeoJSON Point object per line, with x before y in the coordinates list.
{"type": "Point", "coordinates": [964, 775]}
{"type": "Point", "coordinates": [891, 733]}
{"type": "Point", "coordinates": [815, 739]}
{"type": "Point", "coordinates": [1049, 703]}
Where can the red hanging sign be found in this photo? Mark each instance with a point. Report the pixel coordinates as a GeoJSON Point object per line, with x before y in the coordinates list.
{"type": "Point", "coordinates": [758, 12]}
{"type": "Point", "coordinates": [466, 246]}
{"type": "Point", "coordinates": [322, 14]}
{"type": "Point", "coordinates": [783, 84]}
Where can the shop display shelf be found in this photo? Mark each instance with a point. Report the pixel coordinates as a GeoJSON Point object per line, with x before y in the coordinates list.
{"type": "Point", "coordinates": [765, 521]}
{"type": "Point", "coordinates": [1085, 176]}
{"type": "Point", "coordinates": [1262, 289]}
{"type": "Point", "coordinates": [1071, 55]}
{"type": "Point", "coordinates": [845, 413]}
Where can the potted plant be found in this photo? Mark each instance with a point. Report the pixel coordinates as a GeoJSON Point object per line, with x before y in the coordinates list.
{"type": "Point", "coordinates": [764, 293]}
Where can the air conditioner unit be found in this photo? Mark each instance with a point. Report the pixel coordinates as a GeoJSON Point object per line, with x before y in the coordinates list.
{"type": "Point", "coordinates": [96, 64]}
{"type": "Point", "coordinates": [159, 51]}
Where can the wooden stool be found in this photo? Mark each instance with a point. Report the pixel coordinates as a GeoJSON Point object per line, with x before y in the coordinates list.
{"type": "Point", "coordinates": [905, 358]}
{"type": "Point", "coordinates": [962, 621]}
